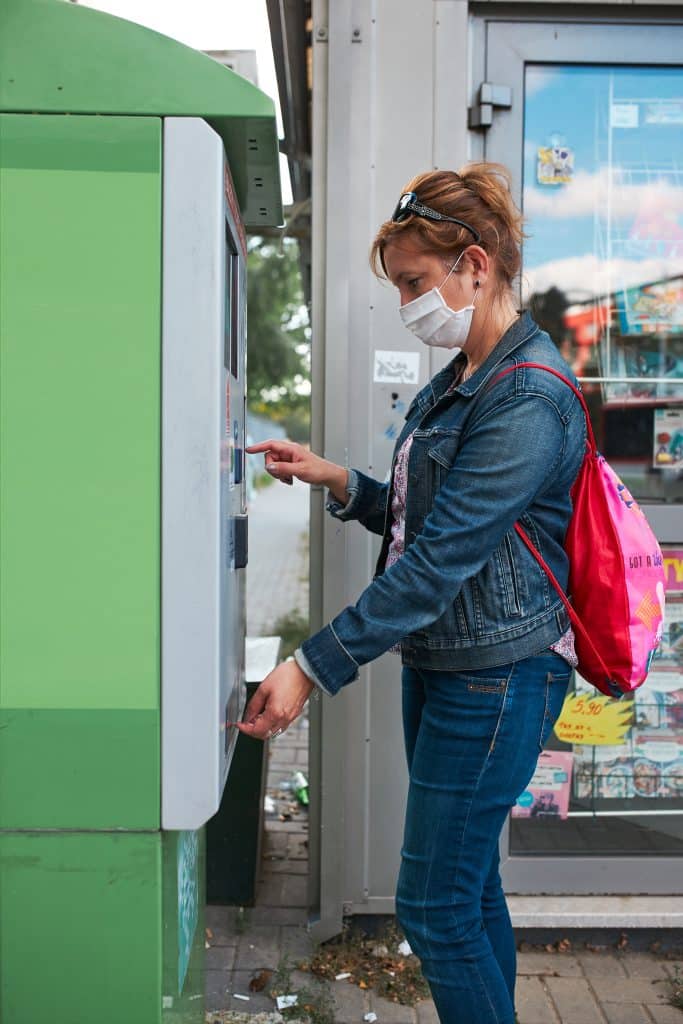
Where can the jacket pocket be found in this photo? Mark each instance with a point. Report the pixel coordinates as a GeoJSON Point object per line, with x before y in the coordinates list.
{"type": "Point", "coordinates": [441, 450]}
{"type": "Point", "coordinates": [508, 575]}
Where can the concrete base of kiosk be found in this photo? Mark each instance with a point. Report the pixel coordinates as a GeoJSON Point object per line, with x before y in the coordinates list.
{"type": "Point", "coordinates": [592, 912]}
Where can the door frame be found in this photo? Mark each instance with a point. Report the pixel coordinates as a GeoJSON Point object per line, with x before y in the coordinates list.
{"type": "Point", "coordinates": [502, 46]}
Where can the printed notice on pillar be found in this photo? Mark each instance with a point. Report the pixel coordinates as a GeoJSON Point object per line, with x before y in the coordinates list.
{"type": "Point", "coordinates": [396, 367]}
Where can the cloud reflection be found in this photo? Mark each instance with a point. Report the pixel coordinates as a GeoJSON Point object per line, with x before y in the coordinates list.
{"type": "Point", "coordinates": [588, 276]}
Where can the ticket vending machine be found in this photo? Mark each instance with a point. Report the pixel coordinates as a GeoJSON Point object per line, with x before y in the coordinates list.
{"type": "Point", "coordinates": [129, 166]}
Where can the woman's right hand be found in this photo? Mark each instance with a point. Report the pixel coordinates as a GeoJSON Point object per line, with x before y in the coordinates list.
{"type": "Point", "coordinates": [286, 459]}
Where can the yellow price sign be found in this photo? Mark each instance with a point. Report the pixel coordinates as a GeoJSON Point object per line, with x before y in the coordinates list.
{"type": "Point", "coordinates": [594, 721]}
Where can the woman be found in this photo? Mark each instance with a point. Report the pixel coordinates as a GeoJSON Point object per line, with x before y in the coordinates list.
{"type": "Point", "coordinates": [485, 642]}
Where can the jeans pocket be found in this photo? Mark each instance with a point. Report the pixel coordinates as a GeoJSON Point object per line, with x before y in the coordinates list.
{"type": "Point", "coordinates": [488, 697]}
{"type": "Point", "coordinates": [486, 685]}
{"type": "Point", "coordinates": [555, 689]}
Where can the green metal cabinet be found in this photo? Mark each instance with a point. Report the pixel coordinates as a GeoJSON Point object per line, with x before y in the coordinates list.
{"type": "Point", "coordinates": [101, 890]}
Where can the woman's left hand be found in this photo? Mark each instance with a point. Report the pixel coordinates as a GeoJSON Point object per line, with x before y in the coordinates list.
{"type": "Point", "coordinates": [277, 702]}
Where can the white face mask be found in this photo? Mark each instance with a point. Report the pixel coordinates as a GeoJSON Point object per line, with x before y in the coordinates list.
{"type": "Point", "coordinates": [434, 322]}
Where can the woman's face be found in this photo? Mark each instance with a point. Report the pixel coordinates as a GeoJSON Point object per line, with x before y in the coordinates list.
{"type": "Point", "coordinates": [414, 273]}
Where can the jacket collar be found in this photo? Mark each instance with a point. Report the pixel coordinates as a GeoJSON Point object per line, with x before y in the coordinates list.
{"type": "Point", "coordinates": [520, 331]}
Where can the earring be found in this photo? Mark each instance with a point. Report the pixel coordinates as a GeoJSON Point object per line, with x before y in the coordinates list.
{"type": "Point", "coordinates": [477, 283]}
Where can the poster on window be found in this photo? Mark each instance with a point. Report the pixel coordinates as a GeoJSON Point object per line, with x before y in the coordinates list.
{"type": "Point", "coordinates": [658, 763]}
{"type": "Point", "coordinates": [547, 795]}
{"type": "Point", "coordinates": [668, 657]}
{"type": "Point", "coordinates": [603, 772]}
{"type": "Point", "coordinates": [659, 702]}
{"type": "Point", "coordinates": [652, 308]}
{"type": "Point", "coordinates": [673, 567]}
{"type": "Point", "coordinates": [668, 438]}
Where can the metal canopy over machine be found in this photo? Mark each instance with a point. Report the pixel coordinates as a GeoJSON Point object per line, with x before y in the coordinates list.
{"type": "Point", "coordinates": [57, 57]}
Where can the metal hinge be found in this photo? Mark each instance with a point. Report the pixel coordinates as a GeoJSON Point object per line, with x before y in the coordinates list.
{"type": "Point", "coordinates": [490, 96]}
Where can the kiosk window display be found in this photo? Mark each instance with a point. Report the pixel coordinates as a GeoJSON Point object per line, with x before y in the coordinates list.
{"type": "Point", "coordinates": [603, 271]}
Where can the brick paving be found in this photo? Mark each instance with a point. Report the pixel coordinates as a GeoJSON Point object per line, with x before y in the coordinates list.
{"type": "Point", "coordinates": [244, 941]}
{"type": "Point", "coordinates": [581, 987]}
{"type": "Point", "coordinates": [277, 573]}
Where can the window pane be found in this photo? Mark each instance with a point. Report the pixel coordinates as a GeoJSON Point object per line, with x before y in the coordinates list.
{"type": "Point", "coordinates": [603, 266]}
{"type": "Point", "coordinates": [603, 273]}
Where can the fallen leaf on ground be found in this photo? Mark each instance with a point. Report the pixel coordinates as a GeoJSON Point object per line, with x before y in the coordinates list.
{"type": "Point", "coordinates": [259, 981]}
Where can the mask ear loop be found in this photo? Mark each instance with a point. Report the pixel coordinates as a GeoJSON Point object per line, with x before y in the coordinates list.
{"type": "Point", "coordinates": [451, 270]}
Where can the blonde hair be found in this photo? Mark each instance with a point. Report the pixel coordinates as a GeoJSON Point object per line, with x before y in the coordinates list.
{"type": "Point", "coordinates": [478, 194]}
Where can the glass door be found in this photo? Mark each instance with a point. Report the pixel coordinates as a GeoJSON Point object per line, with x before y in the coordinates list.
{"type": "Point", "coordinates": [597, 153]}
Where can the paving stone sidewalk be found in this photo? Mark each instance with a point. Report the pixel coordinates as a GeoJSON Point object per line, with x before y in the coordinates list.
{"type": "Point", "coordinates": [277, 573]}
{"type": "Point", "coordinates": [580, 987]}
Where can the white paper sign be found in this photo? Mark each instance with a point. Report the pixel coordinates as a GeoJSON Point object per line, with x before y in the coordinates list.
{"type": "Point", "coordinates": [396, 367]}
{"type": "Point", "coordinates": [624, 115]}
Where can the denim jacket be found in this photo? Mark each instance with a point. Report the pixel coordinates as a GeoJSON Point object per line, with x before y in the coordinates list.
{"type": "Point", "coordinates": [466, 593]}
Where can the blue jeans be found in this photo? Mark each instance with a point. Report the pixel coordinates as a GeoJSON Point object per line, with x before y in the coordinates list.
{"type": "Point", "coordinates": [472, 742]}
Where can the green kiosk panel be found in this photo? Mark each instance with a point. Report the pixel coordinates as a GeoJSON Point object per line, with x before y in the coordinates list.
{"type": "Point", "coordinates": [129, 166]}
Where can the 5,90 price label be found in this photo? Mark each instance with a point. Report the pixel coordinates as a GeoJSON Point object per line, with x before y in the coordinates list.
{"type": "Point", "coordinates": [594, 721]}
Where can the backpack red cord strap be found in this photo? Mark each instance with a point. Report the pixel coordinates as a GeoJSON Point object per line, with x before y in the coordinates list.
{"type": "Point", "coordinates": [590, 441]}
{"type": "Point", "coordinates": [575, 620]}
{"type": "Point", "coordinates": [592, 448]}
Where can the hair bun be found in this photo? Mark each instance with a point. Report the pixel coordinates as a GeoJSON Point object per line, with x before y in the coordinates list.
{"type": "Point", "coordinates": [478, 195]}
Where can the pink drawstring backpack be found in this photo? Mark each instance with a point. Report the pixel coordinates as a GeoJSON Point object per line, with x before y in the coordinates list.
{"type": "Point", "coordinates": [616, 572]}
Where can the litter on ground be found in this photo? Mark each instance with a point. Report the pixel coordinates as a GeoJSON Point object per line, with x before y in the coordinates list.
{"type": "Point", "coordinates": [284, 1001]}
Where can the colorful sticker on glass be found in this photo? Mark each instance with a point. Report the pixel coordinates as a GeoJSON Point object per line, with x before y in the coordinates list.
{"type": "Point", "coordinates": [555, 165]}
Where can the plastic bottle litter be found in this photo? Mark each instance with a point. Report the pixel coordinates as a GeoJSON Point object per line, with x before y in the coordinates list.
{"type": "Point", "coordinates": [300, 787]}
